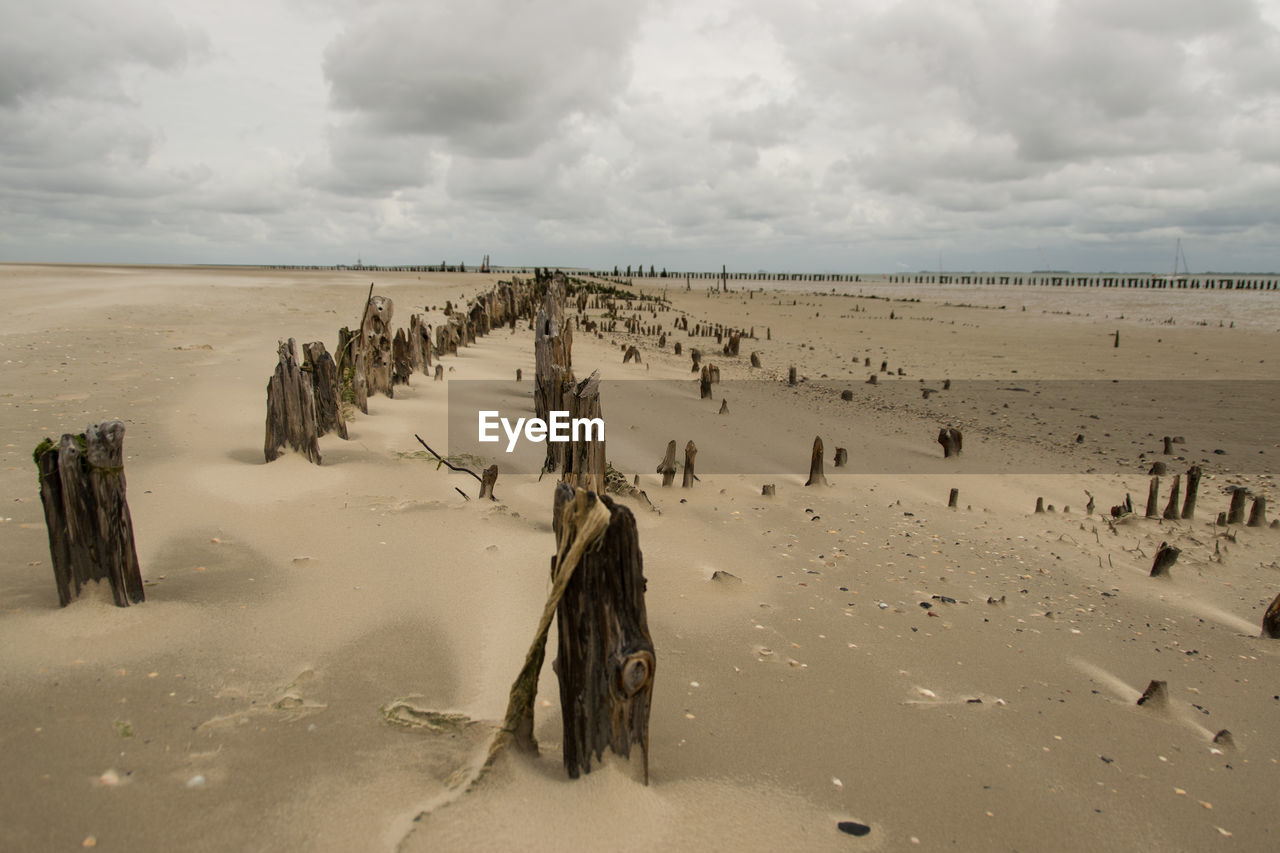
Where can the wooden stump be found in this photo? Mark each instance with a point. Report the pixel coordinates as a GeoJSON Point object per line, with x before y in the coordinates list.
{"type": "Point", "coordinates": [376, 346]}
{"type": "Point", "coordinates": [791, 375]}
{"type": "Point", "coordinates": [667, 467]}
{"type": "Point", "coordinates": [842, 457]}
{"type": "Point", "coordinates": [873, 380]}
{"type": "Point", "coordinates": [291, 408]}
{"type": "Point", "coordinates": [1271, 620]}
{"type": "Point", "coordinates": [1166, 556]}
{"type": "Point", "coordinates": [90, 529]}
{"type": "Point", "coordinates": [1171, 512]}
{"type": "Point", "coordinates": [951, 440]}
{"type": "Point", "coordinates": [584, 459]}
{"type": "Point", "coordinates": [487, 482]}
{"type": "Point", "coordinates": [690, 451]}
{"type": "Point", "coordinates": [768, 490]}
{"type": "Point", "coordinates": [1153, 498]}
{"type": "Point", "coordinates": [816, 475]}
{"type": "Point", "coordinates": [1258, 512]}
{"type": "Point", "coordinates": [1193, 485]}
{"type": "Point", "coordinates": [884, 367]}
{"type": "Point", "coordinates": [953, 498]}
{"type": "Point", "coordinates": [605, 664]}
{"type": "Point", "coordinates": [1168, 445]}
{"type": "Point", "coordinates": [678, 348]}
{"type": "Point", "coordinates": [704, 384]}
{"type": "Point", "coordinates": [319, 365]}
{"type": "Point", "coordinates": [1039, 504]}
{"type": "Point", "coordinates": [1235, 513]}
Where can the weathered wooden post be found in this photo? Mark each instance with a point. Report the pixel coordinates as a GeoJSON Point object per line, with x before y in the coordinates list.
{"type": "Point", "coordinates": [1168, 445]}
{"type": "Point", "coordinates": [1193, 485]}
{"type": "Point", "coordinates": [677, 349]}
{"type": "Point", "coordinates": [1171, 512]}
{"type": "Point", "coordinates": [82, 490]}
{"type": "Point", "coordinates": [755, 359]}
{"type": "Point", "coordinates": [816, 475]}
{"type": "Point", "coordinates": [401, 366]}
{"type": "Point", "coordinates": [1235, 513]}
{"type": "Point", "coordinates": [420, 344]}
{"type": "Point", "coordinates": [690, 451]}
{"type": "Point", "coordinates": [605, 664]}
{"type": "Point", "coordinates": [1039, 504]}
{"type": "Point", "coordinates": [704, 384]}
{"type": "Point", "coordinates": [768, 490]}
{"type": "Point", "coordinates": [553, 358]}
{"type": "Point", "coordinates": [951, 440]}
{"type": "Point", "coordinates": [319, 365]}
{"type": "Point", "coordinates": [291, 408]}
{"type": "Point", "coordinates": [631, 353]}
{"type": "Point", "coordinates": [375, 346]}
{"type": "Point", "coordinates": [1258, 512]}
{"type": "Point", "coordinates": [1153, 498]}
{"type": "Point", "coordinates": [488, 481]}
{"type": "Point", "coordinates": [1166, 556]}
{"type": "Point", "coordinates": [1271, 620]}
{"type": "Point", "coordinates": [791, 375]}
{"type": "Point", "coordinates": [873, 379]}
{"type": "Point", "coordinates": [584, 460]}
{"type": "Point", "coordinates": [724, 406]}
{"type": "Point", "coordinates": [953, 498]}
{"type": "Point", "coordinates": [667, 467]}
{"type": "Point", "coordinates": [439, 374]}
{"type": "Point", "coordinates": [842, 457]}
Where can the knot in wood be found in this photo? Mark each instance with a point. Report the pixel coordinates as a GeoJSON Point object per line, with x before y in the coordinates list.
{"type": "Point", "coordinates": [635, 673]}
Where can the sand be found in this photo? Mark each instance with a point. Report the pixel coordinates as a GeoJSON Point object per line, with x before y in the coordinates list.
{"type": "Point", "coordinates": [251, 702]}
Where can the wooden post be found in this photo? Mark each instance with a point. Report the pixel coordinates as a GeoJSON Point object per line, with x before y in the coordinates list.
{"type": "Point", "coordinates": [755, 359]}
{"type": "Point", "coordinates": [1153, 498]}
{"type": "Point", "coordinates": [768, 490]}
{"type": "Point", "coordinates": [1258, 513]}
{"type": "Point", "coordinates": [1271, 620]}
{"type": "Point", "coordinates": [605, 664]}
{"type": "Point", "coordinates": [90, 529]}
{"type": "Point", "coordinates": [791, 375]}
{"type": "Point", "coordinates": [584, 460]}
{"type": "Point", "coordinates": [631, 353]}
{"type": "Point", "coordinates": [1171, 509]}
{"type": "Point", "coordinates": [816, 476]}
{"type": "Point", "coordinates": [401, 363]}
{"type": "Point", "coordinates": [439, 375]}
{"type": "Point", "coordinates": [690, 451]}
{"type": "Point", "coordinates": [678, 349]}
{"type": "Point", "coordinates": [1166, 556]}
{"type": "Point", "coordinates": [953, 498]}
{"type": "Point", "coordinates": [1193, 485]}
{"type": "Point", "coordinates": [519, 375]}
{"type": "Point", "coordinates": [553, 376]}
{"type": "Point", "coordinates": [842, 457]}
{"type": "Point", "coordinates": [667, 467]}
{"type": "Point", "coordinates": [951, 440]}
{"type": "Point", "coordinates": [946, 385]}
{"type": "Point", "coordinates": [376, 346]}
{"type": "Point", "coordinates": [1235, 514]}
{"type": "Point", "coordinates": [873, 380]}
{"type": "Point", "coordinates": [704, 384]}
{"type": "Point", "coordinates": [487, 482]}
{"type": "Point", "coordinates": [1168, 445]}
{"type": "Point", "coordinates": [291, 408]}
{"type": "Point", "coordinates": [319, 365]}
{"type": "Point", "coordinates": [1039, 504]}
{"type": "Point", "coordinates": [724, 406]}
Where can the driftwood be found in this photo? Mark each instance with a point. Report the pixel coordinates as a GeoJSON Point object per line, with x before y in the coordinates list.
{"type": "Point", "coordinates": [320, 367]}
{"type": "Point", "coordinates": [291, 408]}
{"type": "Point", "coordinates": [690, 451]}
{"type": "Point", "coordinates": [1153, 499]}
{"type": "Point", "coordinates": [816, 476]}
{"type": "Point", "coordinates": [1166, 556]}
{"type": "Point", "coordinates": [1258, 512]}
{"type": "Point", "coordinates": [1271, 620]}
{"type": "Point", "coordinates": [605, 663]}
{"type": "Point", "coordinates": [951, 440]}
{"type": "Point", "coordinates": [1193, 486]}
{"type": "Point", "coordinates": [1171, 512]}
{"type": "Point", "coordinates": [584, 459]}
{"type": "Point", "coordinates": [82, 490]}
{"type": "Point", "coordinates": [1235, 513]}
{"type": "Point", "coordinates": [667, 467]}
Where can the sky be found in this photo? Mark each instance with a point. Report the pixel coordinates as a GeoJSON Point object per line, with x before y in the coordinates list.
{"type": "Point", "coordinates": [806, 135]}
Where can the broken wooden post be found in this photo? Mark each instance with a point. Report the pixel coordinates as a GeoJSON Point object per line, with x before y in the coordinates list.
{"type": "Point", "coordinates": [704, 384]}
{"type": "Point", "coordinates": [667, 467]}
{"type": "Point", "coordinates": [631, 353]}
{"type": "Point", "coordinates": [519, 375]}
{"type": "Point", "coordinates": [768, 490]}
{"type": "Point", "coordinates": [375, 355]}
{"type": "Point", "coordinates": [605, 663]}
{"type": "Point", "coordinates": [553, 374]}
{"type": "Point", "coordinates": [420, 344]}
{"type": "Point", "coordinates": [724, 406]}
{"type": "Point", "coordinates": [1271, 620]}
{"type": "Point", "coordinates": [816, 475]}
{"type": "Point", "coordinates": [1235, 514]}
{"type": "Point", "coordinates": [487, 482]}
{"type": "Point", "coordinates": [1039, 504]}
{"type": "Point", "coordinates": [873, 380]}
{"type": "Point", "coordinates": [1171, 512]}
{"type": "Point", "coordinates": [713, 373]}
{"type": "Point", "coordinates": [90, 529]}
{"type": "Point", "coordinates": [319, 365]}
{"type": "Point", "coordinates": [1258, 512]}
{"type": "Point", "coordinates": [401, 364]}
{"type": "Point", "coordinates": [291, 408]}
{"type": "Point", "coordinates": [791, 375]}
{"type": "Point", "coordinates": [951, 440]}
{"type": "Point", "coordinates": [952, 498]}
{"type": "Point", "coordinates": [678, 348]}
{"type": "Point", "coordinates": [439, 375]}
{"type": "Point", "coordinates": [1153, 498]}
{"type": "Point", "coordinates": [884, 367]}
{"type": "Point", "coordinates": [1166, 556]}
{"type": "Point", "coordinates": [842, 457]}
{"type": "Point", "coordinates": [690, 451]}
{"type": "Point", "coordinates": [1193, 485]}
{"type": "Point", "coordinates": [1168, 445]}
{"type": "Point", "coordinates": [584, 459]}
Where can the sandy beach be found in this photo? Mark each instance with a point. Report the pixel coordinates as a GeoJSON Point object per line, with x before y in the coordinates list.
{"type": "Point", "coordinates": [960, 679]}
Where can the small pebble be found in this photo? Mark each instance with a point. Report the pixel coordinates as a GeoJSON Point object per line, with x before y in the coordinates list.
{"type": "Point", "coordinates": [196, 781]}
{"type": "Point", "coordinates": [110, 778]}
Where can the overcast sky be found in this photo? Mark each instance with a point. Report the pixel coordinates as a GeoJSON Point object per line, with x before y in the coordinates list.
{"type": "Point", "coordinates": [807, 135]}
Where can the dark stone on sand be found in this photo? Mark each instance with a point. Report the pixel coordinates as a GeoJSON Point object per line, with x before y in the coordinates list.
{"type": "Point", "coordinates": [852, 827]}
